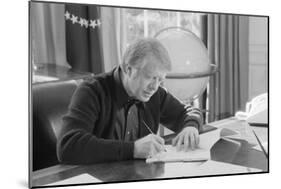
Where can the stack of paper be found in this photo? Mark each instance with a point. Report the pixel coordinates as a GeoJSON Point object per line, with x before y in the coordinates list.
{"type": "Point", "coordinates": [172, 155]}
{"type": "Point", "coordinates": [207, 140]}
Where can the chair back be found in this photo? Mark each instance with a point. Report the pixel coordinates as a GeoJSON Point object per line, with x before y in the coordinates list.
{"type": "Point", "coordinates": [50, 103]}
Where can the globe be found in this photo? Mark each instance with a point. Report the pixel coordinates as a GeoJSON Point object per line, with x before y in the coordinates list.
{"type": "Point", "coordinates": [191, 66]}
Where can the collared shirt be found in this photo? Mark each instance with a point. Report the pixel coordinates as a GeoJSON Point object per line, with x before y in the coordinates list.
{"type": "Point", "coordinates": [89, 133]}
{"type": "Point", "coordinates": [127, 116]}
{"type": "Point", "coordinates": [127, 122]}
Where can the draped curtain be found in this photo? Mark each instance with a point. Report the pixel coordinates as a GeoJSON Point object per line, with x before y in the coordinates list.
{"type": "Point", "coordinates": [228, 45]}
{"type": "Point", "coordinates": [113, 35]}
{"type": "Point", "coordinates": [47, 39]}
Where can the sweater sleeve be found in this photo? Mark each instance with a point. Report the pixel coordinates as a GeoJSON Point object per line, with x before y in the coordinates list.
{"type": "Point", "coordinates": [77, 144]}
{"type": "Point", "coordinates": [175, 115]}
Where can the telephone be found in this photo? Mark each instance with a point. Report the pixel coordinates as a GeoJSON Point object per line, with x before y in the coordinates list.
{"type": "Point", "coordinates": [256, 111]}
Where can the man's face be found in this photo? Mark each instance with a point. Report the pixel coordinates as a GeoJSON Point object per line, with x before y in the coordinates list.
{"type": "Point", "coordinates": [144, 82]}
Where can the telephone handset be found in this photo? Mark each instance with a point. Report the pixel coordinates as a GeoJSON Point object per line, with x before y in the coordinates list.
{"type": "Point", "coordinates": [256, 111]}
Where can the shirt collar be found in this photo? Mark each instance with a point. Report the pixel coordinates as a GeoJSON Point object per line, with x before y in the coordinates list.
{"type": "Point", "coordinates": [122, 97]}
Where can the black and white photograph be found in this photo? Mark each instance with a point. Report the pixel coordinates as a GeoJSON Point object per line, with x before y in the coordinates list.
{"type": "Point", "coordinates": [127, 94]}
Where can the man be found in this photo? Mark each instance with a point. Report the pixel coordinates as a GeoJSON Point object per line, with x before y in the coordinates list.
{"type": "Point", "coordinates": [113, 116]}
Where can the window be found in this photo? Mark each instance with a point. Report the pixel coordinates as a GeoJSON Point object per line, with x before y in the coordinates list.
{"type": "Point", "coordinates": [146, 23]}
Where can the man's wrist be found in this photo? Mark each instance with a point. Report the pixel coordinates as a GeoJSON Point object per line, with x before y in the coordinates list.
{"type": "Point", "coordinates": [191, 123]}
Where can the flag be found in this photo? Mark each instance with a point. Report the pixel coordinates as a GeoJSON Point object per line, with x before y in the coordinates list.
{"type": "Point", "coordinates": [83, 41]}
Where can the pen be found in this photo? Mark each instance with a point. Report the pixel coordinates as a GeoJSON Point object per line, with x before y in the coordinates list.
{"type": "Point", "coordinates": [151, 132]}
{"type": "Point", "coordinates": [147, 127]}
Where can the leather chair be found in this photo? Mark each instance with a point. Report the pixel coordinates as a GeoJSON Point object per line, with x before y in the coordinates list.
{"type": "Point", "coordinates": [50, 103]}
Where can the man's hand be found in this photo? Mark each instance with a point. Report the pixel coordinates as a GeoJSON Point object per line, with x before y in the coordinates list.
{"type": "Point", "coordinates": [188, 137]}
{"type": "Point", "coordinates": [148, 146]}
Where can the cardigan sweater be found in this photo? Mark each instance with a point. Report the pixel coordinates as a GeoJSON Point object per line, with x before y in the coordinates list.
{"type": "Point", "coordinates": [88, 132]}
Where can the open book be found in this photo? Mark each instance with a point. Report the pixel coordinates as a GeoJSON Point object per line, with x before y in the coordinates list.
{"type": "Point", "coordinates": [207, 140]}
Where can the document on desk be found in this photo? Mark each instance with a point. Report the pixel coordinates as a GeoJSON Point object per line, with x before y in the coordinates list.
{"type": "Point", "coordinates": [210, 167]}
{"type": "Point", "coordinates": [80, 179]}
{"type": "Point", "coordinates": [202, 153]}
{"type": "Point", "coordinates": [214, 167]}
{"type": "Point", "coordinates": [265, 146]}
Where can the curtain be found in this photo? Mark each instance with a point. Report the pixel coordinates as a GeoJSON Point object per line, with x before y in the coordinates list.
{"type": "Point", "coordinates": [203, 35]}
{"type": "Point", "coordinates": [83, 45]}
{"type": "Point", "coordinates": [47, 38]}
{"type": "Point", "coordinates": [228, 49]}
{"type": "Point", "coordinates": [113, 36]}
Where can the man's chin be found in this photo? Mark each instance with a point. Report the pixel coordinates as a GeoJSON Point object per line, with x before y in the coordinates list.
{"type": "Point", "coordinates": [145, 98]}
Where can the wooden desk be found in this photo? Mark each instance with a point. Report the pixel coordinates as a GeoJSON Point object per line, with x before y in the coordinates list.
{"type": "Point", "coordinates": [239, 153]}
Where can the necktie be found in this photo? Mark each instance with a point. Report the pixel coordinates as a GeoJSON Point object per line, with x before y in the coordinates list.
{"type": "Point", "coordinates": [132, 123]}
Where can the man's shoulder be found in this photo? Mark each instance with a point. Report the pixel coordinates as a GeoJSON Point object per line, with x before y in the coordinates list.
{"type": "Point", "coordinates": [161, 92]}
{"type": "Point", "coordinates": [99, 78]}
{"type": "Point", "coordinates": [158, 96]}
{"type": "Point", "coordinates": [100, 83]}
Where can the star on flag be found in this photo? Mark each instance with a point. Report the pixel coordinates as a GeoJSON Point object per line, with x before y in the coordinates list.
{"type": "Point", "coordinates": [67, 15]}
{"type": "Point", "coordinates": [94, 23]}
{"type": "Point", "coordinates": [83, 22]}
{"type": "Point", "coordinates": [74, 19]}
{"type": "Point", "coordinates": [86, 23]}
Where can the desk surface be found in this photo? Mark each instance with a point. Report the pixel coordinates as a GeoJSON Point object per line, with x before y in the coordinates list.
{"type": "Point", "coordinates": [239, 152]}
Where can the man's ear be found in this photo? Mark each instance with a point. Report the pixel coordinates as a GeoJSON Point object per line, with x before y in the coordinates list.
{"type": "Point", "coordinates": [128, 69]}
